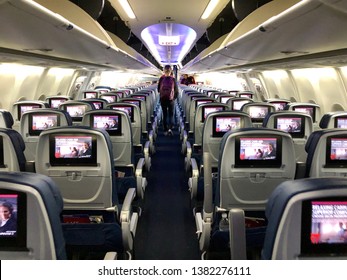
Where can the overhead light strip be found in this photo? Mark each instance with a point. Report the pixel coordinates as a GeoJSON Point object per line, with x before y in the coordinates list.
{"type": "Point", "coordinates": [209, 9]}
{"type": "Point", "coordinates": [126, 7]}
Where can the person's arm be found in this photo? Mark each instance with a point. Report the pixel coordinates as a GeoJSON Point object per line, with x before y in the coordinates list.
{"type": "Point", "coordinates": [175, 89]}
{"type": "Point", "coordinates": [159, 83]}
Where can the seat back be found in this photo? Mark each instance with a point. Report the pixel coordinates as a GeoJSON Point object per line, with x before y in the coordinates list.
{"type": "Point", "coordinates": [35, 121]}
{"type": "Point", "coordinates": [98, 103]}
{"type": "Point", "coordinates": [327, 153]}
{"type": "Point", "coordinates": [215, 126]}
{"type": "Point", "coordinates": [307, 219]}
{"type": "Point", "coordinates": [56, 100]}
{"type": "Point", "coordinates": [85, 175]}
{"type": "Point", "coordinates": [246, 94]}
{"type": "Point", "coordinates": [6, 119]}
{"type": "Point", "coordinates": [111, 97]}
{"type": "Point", "coordinates": [33, 230]}
{"type": "Point", "coordinates": [334, 120]}
{"type": "Point", "coordinates": [299, 125]}
{"type": "Point", "coordinates": [18, 109]}
{"type": "Point", "coordinates": [76, 109]}
{"type": "Point", "coordinates": [236, 103]}
{"type": "Point", "coordinates": [252, 162]}
{"type": "Point", "coordinates": [12, 147]}
{"type": "Point", "coordinates": [280, 104]}
{"type": "Point", "coordinates": [193, 105]}
{"type": "Point", "coordinates": [308, 108]}
{"type": "Point", "coordinates": [117, 125]}
{"type": "Point", "coordinates": [258, 111]}
{"type": "Point", "coordinates": [201, 114]}
{"type": "Point", "coordinates": [143, 111]}
{"type": "Point", "coordinates": [135, 118]}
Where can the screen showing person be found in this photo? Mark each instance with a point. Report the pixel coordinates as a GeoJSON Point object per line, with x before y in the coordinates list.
{"type": "Point", "coordinates": [97, 105]}
{"type": "Point", "coordinates": [258, 113]}
{"type": "Point", "coordinates": [40, 122]}
{"type": "Point", "coordinates": [221, 125]}
{"type": "Point", "coordinates": [324, 226]}
{"type": "Point", "coordinates": [72, 149]}
{"type": "Point", "coordinates": [279, 106]}
{"type": "Point", "coordinates": [306, 110]}
{"type": "Point", "coordinates": [336, 152]}
{"type": "Point", "coordinates": [237, 104]}
{"type": "Point", "coordinates": [258, 151]}
{"type": "Point", "coordinates": [340, 122]}
{"type": "Point", "coordinates": [137, 103]}
{"type": "Point", "coordinates": [109, 98]}
{"type": "Point", "coordinates": [127, 109]}
{"type": "Point", "coordinates": [8, 210]}
{"type": "Point", "coordinates": [76, 111]}
{"type": "Point", "coordinates": [91, 94]}
{"type": "Point", "coordinates": [111, 123]}
{"type": "Point", "coordinates": [207, 110]}
{"type": "Point", "coordinates": [55, 102]}
{"type": "Point", "coordinates": [293, 125]}
{"type": "Point", "coordinates": [24, 108]}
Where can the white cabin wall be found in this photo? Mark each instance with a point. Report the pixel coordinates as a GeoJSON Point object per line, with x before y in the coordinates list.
{"type": "Point", "coordinates": [322, 86]}
{"type": "Point", "coordinates": [279, 84]}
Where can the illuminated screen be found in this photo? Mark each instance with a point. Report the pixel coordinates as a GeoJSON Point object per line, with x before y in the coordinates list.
{"type": "Point", "coordinates": [306, 110]}
{"type": "Point", "coordinates": [336, 152]}
{"type": "Point", "coordinates": [72, 149]}
{"type": "Point", "coordinates": [258, 113]}
{"type": "Point", "coordinates": [39, 122]}
{"type": "Point", "coordinates": [258, 151]}
{"type": "Point", "coordinates": [137, 103]}
{"type": "Point", "coordinates": [91, 94]}
{"type": "Point", "coordinates": [24, 108]}
{"type": "Point", "coordinates": [97, 105]}
{"type": "Point", "coordinates": [109, 98]}
{"type": "Point", "coordinates": [13, 209]}
{"type": "Point", "coordinates": [207, 110]}
{"type": "Point", "coordinates": [223, 124]}
{"type": "Point", "coordinates": [248, 95]}
{"type": "Point", "coordinates": [128, 109]}
{"type": "Point", "coordinates": [237, 104]}
{"type": "Point", "coordinates": [224, 99]}
{"type": "Point", "coordinates": [279, 106]}
{"type": "Point", "coordinates": [340, 122]}
{"type": "Point", "coordinates": [141, 97]}
{"type": "Point", "coordinates": [55, 102]}
{"type": "Point", "coordinates": [324, 226]}
{"type": "Point", "coordinates": [111, 123]}
{"type": "Point", "coordinates": [293, 125]}
{"type": "Point", "coordinates": [76, 111]}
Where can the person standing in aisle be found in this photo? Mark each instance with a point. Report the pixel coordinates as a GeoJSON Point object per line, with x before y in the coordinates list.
{"type": "Point", "coordinates": [168, 92]}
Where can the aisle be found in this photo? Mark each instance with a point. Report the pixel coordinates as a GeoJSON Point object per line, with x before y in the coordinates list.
{"type": "Point", "coordinates": [166, 229]}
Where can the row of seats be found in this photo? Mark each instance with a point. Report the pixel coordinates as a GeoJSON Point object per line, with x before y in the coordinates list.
{"type": "Point", "coordinates": [234, 173]}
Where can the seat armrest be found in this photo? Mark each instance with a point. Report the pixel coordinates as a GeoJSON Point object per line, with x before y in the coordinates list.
{"type": "Point", "coordinates": [141, 181]}
{"type": "Point", "coordinates": [110, 256]}
{"type": "Point", "coordinates": [237, 234]}
{"type": "Point", "coordinates": [188, 156]}
{"type": "Point", "coordinates": [193, 181]}
{"type": "Point", "coordinates": [146, 152]}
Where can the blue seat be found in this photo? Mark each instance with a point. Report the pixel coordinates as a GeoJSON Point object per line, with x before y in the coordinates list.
{"type": "Point", "coordinates": [292, 232]}
{"type": "Point", "coordinates": [6, 119]}
{"type": "Point", "coordinates": [95, 220]}
{"type": "Point", "coordinates": [37, 205]}
{"type": "Point", "coordinates": [334, 120]}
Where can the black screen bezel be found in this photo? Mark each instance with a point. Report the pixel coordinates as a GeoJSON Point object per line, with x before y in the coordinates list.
{"type": "Point", "coordinates": [261, 163]}
{"type": "Point", "coordinates": [336, 163]}
{"type": "Point", "coordinates": [300, 134]}
{"type": "Point", "coordinates": [258, 106]}
{"type": "Point", "coordinates": [313, 116]}
{"type": "Point", "coordinates": [111, 132]}
{"type": "Point", "coordinates": [95, 94]}
{"type": "Point", "coordinates": [131, 116]}
{"type": "Point", "coordinates": [216, 133]}
{"type": "Point", "coordinates": [319, 249]}
{"type": "Point", "coordinates": [208, 107]}
{"type": "Point", "coordinates": [91, 161]}
{"type": "Point", "coordinates": [79, 118]}
{"type": "Point", "coordinates": [57, 98]}
{"type": "Point", "coordinates": [18, 242]}
{"type": "Point", "coordinates": [37, 132]}
{"type": "Point", "coordinates": [33, 105]}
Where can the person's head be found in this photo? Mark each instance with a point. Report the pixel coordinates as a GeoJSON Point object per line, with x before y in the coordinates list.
{"type": "Point", "coordinates": [270, 146]}
{"type": "Point", "coordinates": [86, 145]}
{"type": "Point", "coordinates": [6, 210]}
{"type": "Point", "coordinates": [167, 70]}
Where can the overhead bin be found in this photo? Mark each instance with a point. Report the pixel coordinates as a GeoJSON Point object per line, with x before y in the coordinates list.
{"type": "Point", "coordinates": [282, 32]}
{"type": "Point", "coordinates": [62, 32]}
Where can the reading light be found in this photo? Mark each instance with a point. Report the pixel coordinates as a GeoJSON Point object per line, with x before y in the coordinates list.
{"type": "Point", "coordinates": [210, 7]}
{"type": "Point", "coordinates": [126, 7]}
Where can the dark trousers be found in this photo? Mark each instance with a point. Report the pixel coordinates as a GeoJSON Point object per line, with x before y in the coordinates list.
{"type": "Point", "coordinates": [168, 110]}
